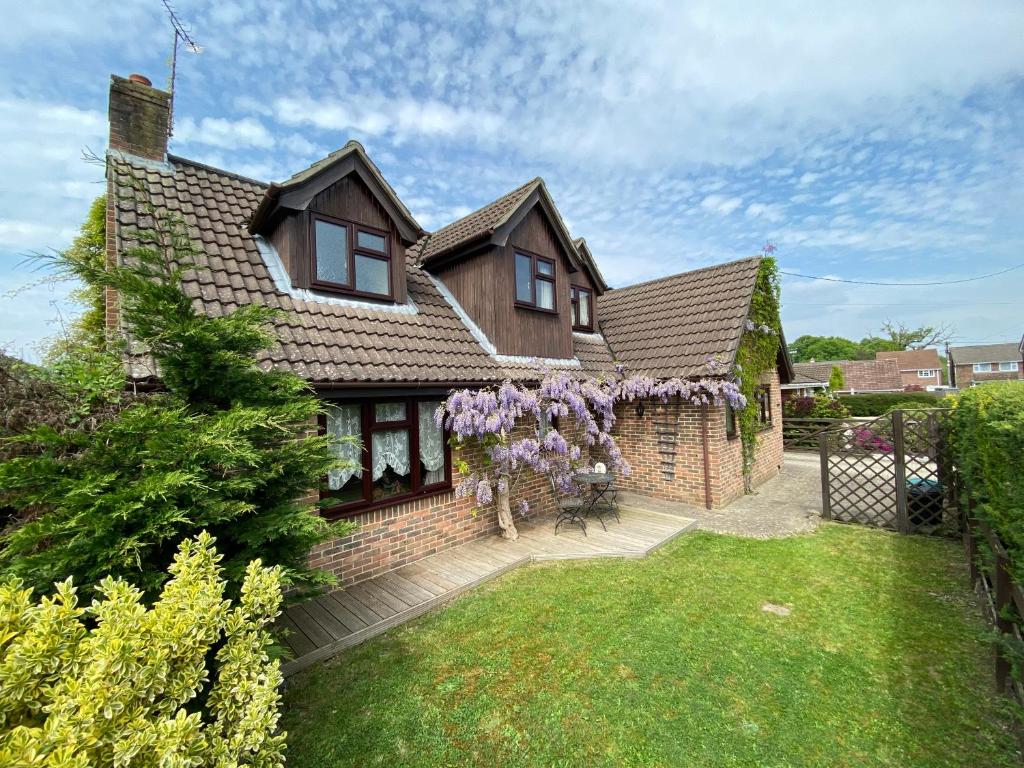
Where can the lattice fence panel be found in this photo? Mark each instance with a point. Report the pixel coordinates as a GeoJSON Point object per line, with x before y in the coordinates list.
{"type": "Point", "coordinates": [862, 474]}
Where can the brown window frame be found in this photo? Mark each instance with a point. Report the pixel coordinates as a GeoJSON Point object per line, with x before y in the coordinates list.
{"type": "Point", "coordinates": [731, 432]}
{"type": "Point", "coordinates": [352, 230]}
{"type": "Point", "coordinates": [535, 276]}
{"type": "Point", "coordinates": [368, 425]}
{"type": "Point", "coordinates": [574, 303]}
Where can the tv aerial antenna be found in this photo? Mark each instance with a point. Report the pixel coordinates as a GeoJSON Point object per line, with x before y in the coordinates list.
{"type": "Point", "coordinates": [182, 36]}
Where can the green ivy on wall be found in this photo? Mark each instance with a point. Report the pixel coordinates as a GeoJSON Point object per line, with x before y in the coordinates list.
{"type": "Point", "coordinates": [757, 354]}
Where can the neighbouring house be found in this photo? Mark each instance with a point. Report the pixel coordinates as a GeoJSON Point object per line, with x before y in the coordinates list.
{"type": "Point", "coordinates": [384, 319]}
{"type": "Point", "coordinates": [808, 380]}
{"type": "Point", "coordinates": [858, 376]}
{"type": "Point", "coordinates": [918, 367]}
{"type": "Point", "coordinates": [986, 362]}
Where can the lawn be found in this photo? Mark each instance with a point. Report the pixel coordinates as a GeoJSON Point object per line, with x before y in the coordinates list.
{"type": "Point", "coordinates": [671, 661]}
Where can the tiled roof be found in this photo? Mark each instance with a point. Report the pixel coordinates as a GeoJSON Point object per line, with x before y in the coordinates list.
{"type": "Point", "coordinates": [985, 353]}
{"type": "Point", "coordinates": [812, 373]}
{"type": "Point", "coordinates": [593, 353]}
{"type": "Point", "coordinates": [320, 341]}
{"type": "Point", "coordinates": [670, 327]}
{"type": "Point", "coordinates": [479, 223]}
{"type": "Point", "coordinates": [912, 359]}
{"type": "Point", "coordinates": [870, 375]}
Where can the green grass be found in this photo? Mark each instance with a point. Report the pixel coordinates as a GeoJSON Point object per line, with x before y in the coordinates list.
{"type": "Point", "coordinates": [670, 661]}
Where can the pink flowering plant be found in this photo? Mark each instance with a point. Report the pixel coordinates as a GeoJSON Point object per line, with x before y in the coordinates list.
{"type": "Point", "coordinates": [506, 421]}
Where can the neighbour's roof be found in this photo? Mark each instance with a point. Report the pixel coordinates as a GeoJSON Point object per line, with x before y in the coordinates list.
{"type": "Point", "coordinates": [329, 343]}
{"type": "Point", "coordinates": [812, 373]}
{"type": "Point", "coordinates": [870, 375]}
{"type": "Point", "coordinates": [672, 326]}
{"type": "Point", "coordinates": [985, 353]}
{"type": "Point", "coordinates": [912, 359]}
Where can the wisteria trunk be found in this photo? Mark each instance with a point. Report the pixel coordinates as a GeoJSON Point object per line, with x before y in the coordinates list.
{"type": "Point", "coordinates": [508, 526]}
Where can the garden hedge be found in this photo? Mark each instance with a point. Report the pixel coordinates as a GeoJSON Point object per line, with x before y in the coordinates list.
{"type": "Point", "coordinates": [987, 438]}
{"type": "Point", "coordinates": [879, 403]}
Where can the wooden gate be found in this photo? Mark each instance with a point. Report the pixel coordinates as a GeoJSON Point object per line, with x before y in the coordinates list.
{"type": "Point", "coordinates": [890, 472]}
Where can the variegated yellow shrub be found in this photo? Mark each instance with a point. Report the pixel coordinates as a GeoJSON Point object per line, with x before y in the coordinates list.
{"type": "Point", "coordinates": [121, 684]}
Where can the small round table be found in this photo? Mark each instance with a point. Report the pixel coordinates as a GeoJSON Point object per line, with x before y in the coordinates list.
{"type": "Point", "coordinates": [599, 484]}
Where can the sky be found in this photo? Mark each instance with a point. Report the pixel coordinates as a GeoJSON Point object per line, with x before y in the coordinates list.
{"type": "Point", "coordinates": [870, 141]}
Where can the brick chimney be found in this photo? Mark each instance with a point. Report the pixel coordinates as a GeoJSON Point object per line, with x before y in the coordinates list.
{"type": "Point", "coordinates": [138, 115]}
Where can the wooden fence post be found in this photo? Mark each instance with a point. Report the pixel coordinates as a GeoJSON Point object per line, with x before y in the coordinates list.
{"type": "Point", "coordinates": [900, 454]}
{"type": "Point", "coordinates": [826, 496]}
{"type": "Point", "coordinates": [1003, 600]}
{"type": "Point", "coordinates": [971, 543]}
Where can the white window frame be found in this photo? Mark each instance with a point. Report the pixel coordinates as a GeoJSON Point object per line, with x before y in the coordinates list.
{"type": "Point", "coordinates": [983, 367]}
{"type": "Point", "coordinates": [1011, 366]}
{"type": "Point", "coordinates": [926, 373]}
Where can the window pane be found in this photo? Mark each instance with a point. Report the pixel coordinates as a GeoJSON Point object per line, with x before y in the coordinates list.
{"type": "Point", "coordinates": [389, 411]}
{"type": "Point", "coordinates": [524, 278]}
{"type": "Point", "coordinates": [545, 294]}
{"type": "Point", "coordinates": [431, 444]}
{"type": "Point", "coordinates": [370, 241]}
{"type": "Point", "coordinates": [545, 267]}
{"type": "Point", "coordinates": [345, 425]}
{"type": "Point", "coordinates": [584, 305]}
{"type": "Point", "coordinates": [372, 275]}
{"type": "Point", "coordinates": [389, 458]}
{"type": "Point", "coordinates": [331, 252]}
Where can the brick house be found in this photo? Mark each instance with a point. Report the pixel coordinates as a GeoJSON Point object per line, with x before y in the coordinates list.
{"type": "Point", "coordinates": [384, 319]}
{"type": "Point", "coordinates": [986, 362]}
{"type": "Point", "coordinates": [918, 367]}
{"type": "Point", "coordinates": [858, 376]}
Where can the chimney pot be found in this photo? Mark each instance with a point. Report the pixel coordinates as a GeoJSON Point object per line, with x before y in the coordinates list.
{"type": "Point", "coordinates": [137, 78]}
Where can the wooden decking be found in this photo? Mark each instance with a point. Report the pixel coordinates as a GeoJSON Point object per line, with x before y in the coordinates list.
{"type": "Point", "coordinates": [320, 628]}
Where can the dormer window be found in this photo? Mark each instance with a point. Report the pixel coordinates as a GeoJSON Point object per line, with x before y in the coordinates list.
{"type": "Point", "coordinates": [350, 258]}
{"type": "Point", "coordinates": [582, 301]}
{"type": "Point", "coordinates": [535, 282]}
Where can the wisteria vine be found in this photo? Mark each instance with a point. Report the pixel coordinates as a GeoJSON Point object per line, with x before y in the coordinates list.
{"type": "Point", "coordinates": [499, 418]}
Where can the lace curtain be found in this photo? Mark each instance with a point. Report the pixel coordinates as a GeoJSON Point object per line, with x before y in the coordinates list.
{"type": "Point", "coordinates": [431, 443]}
{"type": "Point", "coordinates": [343, 421]}
{"type": "Point", "coordinates": [389, 411]}
{"type": "Point", "coordinates": [390, 448]}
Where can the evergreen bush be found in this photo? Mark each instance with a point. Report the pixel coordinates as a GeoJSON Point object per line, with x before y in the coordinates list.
{"type": "Point", "coordinates": [117, 683]}
{"type": "Point", "coordinates": [228, 446]}
{"type": "Point", "coordinates": [987, 439]}
{"type": "Point", "coordinates": [880, 403]}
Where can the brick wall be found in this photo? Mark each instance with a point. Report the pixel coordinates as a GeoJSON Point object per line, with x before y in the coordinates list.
{"type": "Point", "coordinates": [911, 379]}
{"type": "Point", "coordinates": [394, 536]}
{"type": "Point", "coordinates": [665, 450]}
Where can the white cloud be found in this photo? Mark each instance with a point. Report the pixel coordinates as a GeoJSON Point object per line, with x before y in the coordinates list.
{"type": "Point", "coordinates": [767, 211]}
{"type": "Point", "coordinates": [721, 204]}
{"type": "Point", "coordinates": [243, 133]}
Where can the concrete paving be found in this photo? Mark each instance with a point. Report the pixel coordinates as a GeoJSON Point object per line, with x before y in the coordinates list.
{"type": "Point", "coordinates": [788, 504]}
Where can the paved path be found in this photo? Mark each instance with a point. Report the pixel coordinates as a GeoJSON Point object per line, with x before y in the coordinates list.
{"type": "Point", "coordinates": [320, 628]}
{"type": "Point", "coordinates": [785, 505]}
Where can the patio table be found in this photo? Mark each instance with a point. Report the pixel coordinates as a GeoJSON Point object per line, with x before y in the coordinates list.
{"type": "Point", "coordinates": [599, 484]}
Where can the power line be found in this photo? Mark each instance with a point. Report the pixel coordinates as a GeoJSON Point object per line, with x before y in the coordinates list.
{"type": "Point", "coordinates": [943, 305]}
{"type": "Point", "coordinates": [875, 282]}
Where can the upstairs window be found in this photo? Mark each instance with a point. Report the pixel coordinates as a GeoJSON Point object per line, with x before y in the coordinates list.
{"type": "Point", "coordinates": [535, 281]}
{"type": "Point", "coordinates": [350, 258]}
{"type": "Point", "coordinates": [1010, 366]}
{"type": "Point", "coordinates": [926, 374]}
{"type": "Point", "coordinates": [983, 367]}
{"type": "Point", "coordinates": [582, 301]}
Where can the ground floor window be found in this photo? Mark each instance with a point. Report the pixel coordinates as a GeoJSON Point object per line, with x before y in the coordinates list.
{"type": "Point", "coordinates": [763, 403]}
{"type": "Point", "coordinates": [396, 449]}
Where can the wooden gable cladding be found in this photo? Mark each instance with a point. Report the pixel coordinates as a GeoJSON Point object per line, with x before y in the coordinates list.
{"type": "Point", "coordinates": [484, 284]}
{"type": "Point", "coordinates": [348, 199]}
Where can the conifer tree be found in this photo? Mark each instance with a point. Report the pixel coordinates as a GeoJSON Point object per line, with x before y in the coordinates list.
{"type": "Point", "coordinates": [227, 446]}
